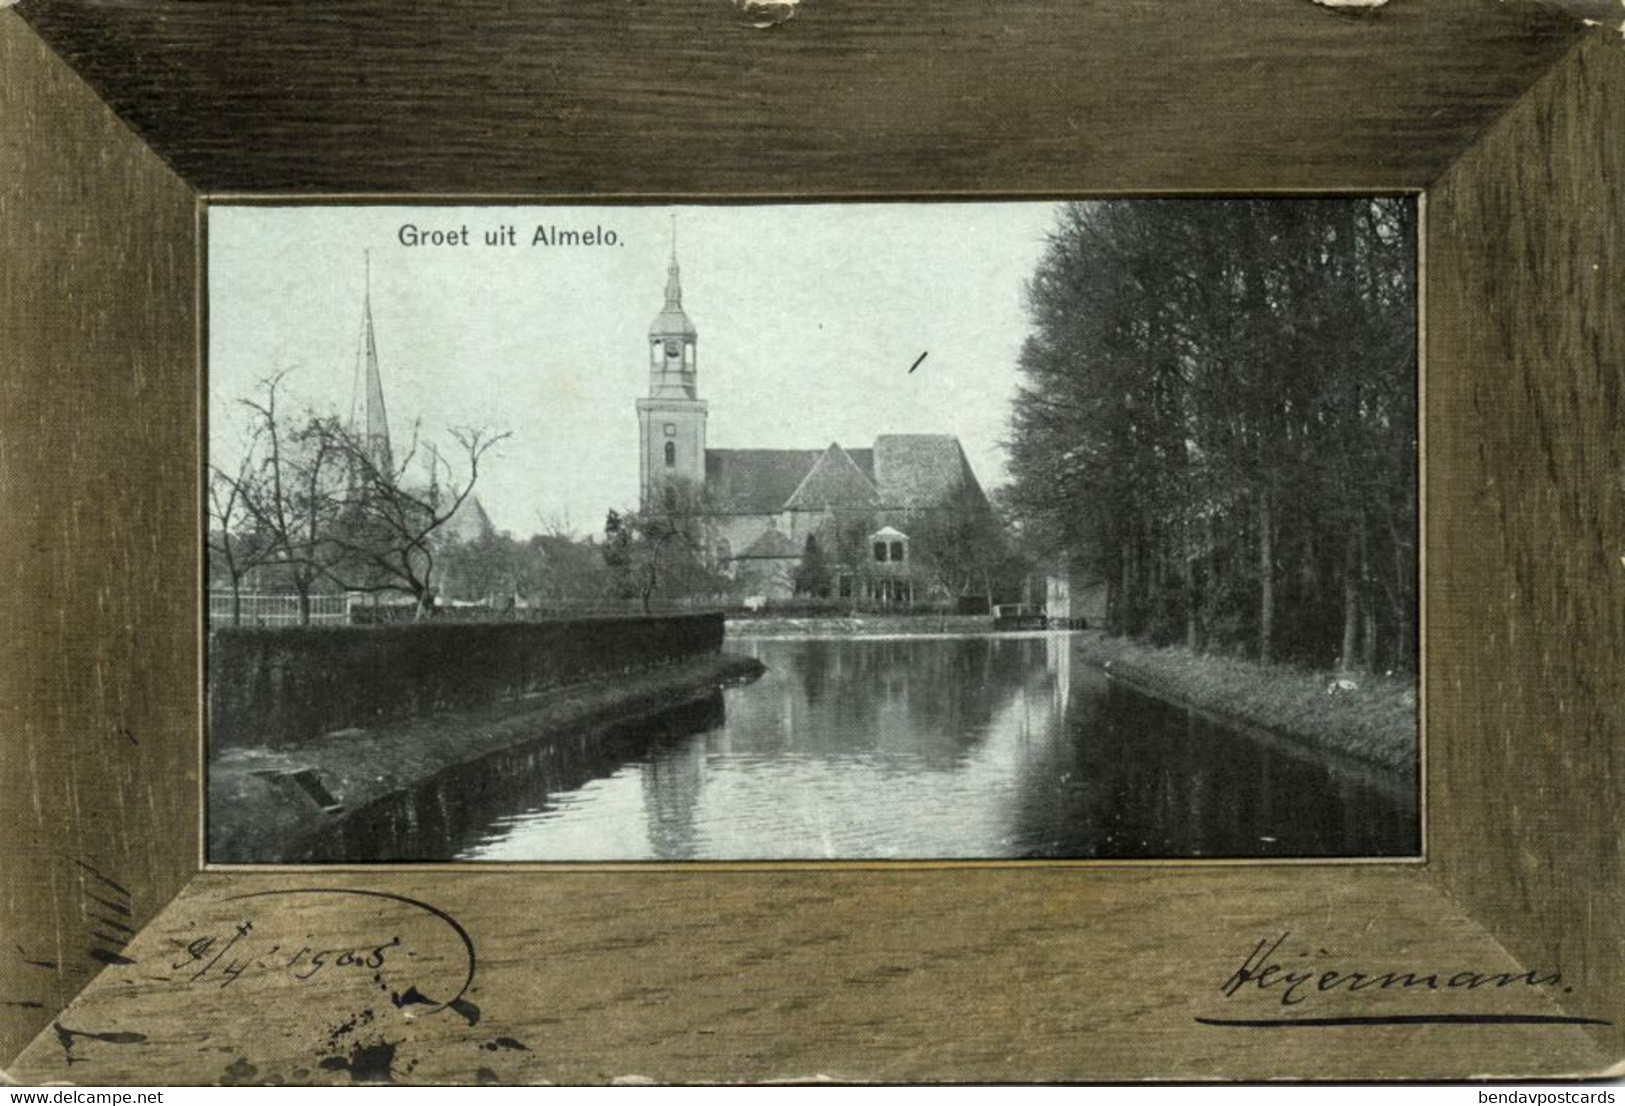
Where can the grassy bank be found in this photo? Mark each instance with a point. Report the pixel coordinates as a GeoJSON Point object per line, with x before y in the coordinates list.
{"type": "Point", "coordinates": [259, 813]}
{"type": "Point", "coordinates": [1375, 722]}
{"type": "Point", "coordinates": [863, 625]}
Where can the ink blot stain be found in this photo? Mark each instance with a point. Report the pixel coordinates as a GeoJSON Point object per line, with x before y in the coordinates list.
{"type": "Point", "coordinates": [240, 1072]}
{"type": "Point", "coordinates": [506, 1044]}
{"type": "Point", "coordinates": [412, 997]}
{"type": "Point", "coordinates": [367, 1063]}
{"type": "Point", "coordinates": [356, 1021]}
{"type": "Point", "coordinates": [67, 1037]}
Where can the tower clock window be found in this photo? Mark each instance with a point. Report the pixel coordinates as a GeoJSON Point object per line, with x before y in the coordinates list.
{"type": "Point", "coordinates": [671, 430]}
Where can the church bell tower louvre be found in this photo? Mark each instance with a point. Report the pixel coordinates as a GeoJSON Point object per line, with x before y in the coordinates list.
{"type": "Point", "coordinates": [671, 418]}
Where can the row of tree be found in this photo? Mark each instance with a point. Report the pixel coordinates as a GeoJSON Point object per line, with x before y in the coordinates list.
{"type": "Point", "coordinates": [1218, 416]}
{"type": "Point", "coordinates": [669, 548]}
{"type": "Point", "coordinates": [314, 506]}
{"type": "Point", "coordinates": [553, 570]}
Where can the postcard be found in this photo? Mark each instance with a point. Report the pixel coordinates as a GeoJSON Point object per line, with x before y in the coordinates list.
{"type": "Point", "coordinates": [902, 531]}
{"type": "Point", "coordinates": [919, 543]}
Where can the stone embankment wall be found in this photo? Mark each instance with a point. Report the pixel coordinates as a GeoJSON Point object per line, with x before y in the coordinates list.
{"type": "Point", "coordinates": [271, 687]}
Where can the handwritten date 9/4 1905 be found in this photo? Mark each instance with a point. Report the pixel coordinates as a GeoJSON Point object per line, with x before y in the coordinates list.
{"type": "Point", "coordinates": [224, 959]}
{"type": "Point", "coordinates": [415, 953]}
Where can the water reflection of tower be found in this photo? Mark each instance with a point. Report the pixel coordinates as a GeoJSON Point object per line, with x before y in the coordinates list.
{"type": "Point", "coordinates": [815, 661]}
{"type": "Point", "coordinates": [673, 778]}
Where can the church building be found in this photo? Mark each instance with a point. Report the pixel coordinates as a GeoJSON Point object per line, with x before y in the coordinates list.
{"type": "Point", "coordinates": [878, 515]}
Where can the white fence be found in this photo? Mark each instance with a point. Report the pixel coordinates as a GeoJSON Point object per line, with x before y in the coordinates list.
{"type": "Point", "coordinates": [277, 610]}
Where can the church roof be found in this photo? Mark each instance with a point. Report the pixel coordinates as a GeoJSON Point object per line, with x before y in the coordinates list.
{"type": "Point", "coordinates": [921, 470]}
{"type": "Point", "coordinates": [772, 545]}
{"type": "Point", "coordinates": [673, 322]}
{"type": "Point", "coordinates": [833, 481]}
{"type": "Point", "coordinates": [467, 522]}
{"type": "Point", "coordinates": [902, 470]}
{"type": "Point", "coordinates": [865, 460]}
{"type": "Point", "coordinates": [755, 481]}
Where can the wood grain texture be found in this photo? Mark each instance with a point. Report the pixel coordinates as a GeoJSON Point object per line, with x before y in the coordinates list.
{"type": "Point", "coordinates": [850, 96]}
{"type": "Point", "coordinates": [1602, 14]}
{"type": "Point", "coordinates": [98, 532]}
{"type": "Point", "coordinates": [854, 976]}
{"type": "Point", "coordinates": [1526, 484]}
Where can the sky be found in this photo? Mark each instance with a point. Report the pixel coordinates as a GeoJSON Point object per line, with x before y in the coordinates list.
{"type": "Point", "coordinates": [809, 318]}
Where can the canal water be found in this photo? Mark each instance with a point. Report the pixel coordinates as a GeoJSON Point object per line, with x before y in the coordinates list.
{"type": "Point", "coordinates": [905, 748]}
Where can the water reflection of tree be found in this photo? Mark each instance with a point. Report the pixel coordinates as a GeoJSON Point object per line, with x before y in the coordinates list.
{"type": "Point", "coordinates": [1130, 776]}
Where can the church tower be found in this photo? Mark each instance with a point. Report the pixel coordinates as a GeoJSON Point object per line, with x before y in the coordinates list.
{"type": "Point", "coordinates": [378, 450]}
{"type": "Point", "coordinates": [671, 418]}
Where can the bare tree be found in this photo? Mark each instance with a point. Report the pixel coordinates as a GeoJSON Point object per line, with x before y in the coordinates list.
{"type": "Point", "coordinates": [387, 535]}
{"type": "Point", "coordinates": [294, 492]}
{"type": "Point", "coordinates": [236, 546]}
{"type": "Point", "coordinates": [323, 505]}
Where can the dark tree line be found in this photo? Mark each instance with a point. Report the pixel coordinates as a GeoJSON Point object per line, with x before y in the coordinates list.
{"type": "Point", "coordinates": [551, 570]}
{"type": "Point", "coordinates": [1218, 417]}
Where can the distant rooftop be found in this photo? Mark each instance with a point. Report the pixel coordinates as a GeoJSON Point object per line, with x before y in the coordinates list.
{"type": "Point", "coordinates": [900, 471]}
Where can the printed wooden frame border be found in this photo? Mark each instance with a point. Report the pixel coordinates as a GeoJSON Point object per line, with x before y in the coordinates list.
{"type": "Point", "coordinates": [116, 943]}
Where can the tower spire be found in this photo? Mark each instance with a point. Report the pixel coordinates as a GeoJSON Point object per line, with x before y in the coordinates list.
{"type": "Point", "coordinates": [377, 418]}
{"type": "Point", "coordinates": [671, 418]}
{"type": "Point", "coordinates": [674, 284]}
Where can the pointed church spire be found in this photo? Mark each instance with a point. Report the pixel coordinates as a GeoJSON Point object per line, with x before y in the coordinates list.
{"type": "Point", "coordinates": [377, 418]}
{"type": "Point", "coordinates": [674, 284]}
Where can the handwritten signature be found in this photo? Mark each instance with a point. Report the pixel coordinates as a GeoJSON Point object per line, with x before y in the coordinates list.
{"type": "Point", "coordinates": [1263, 969]}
